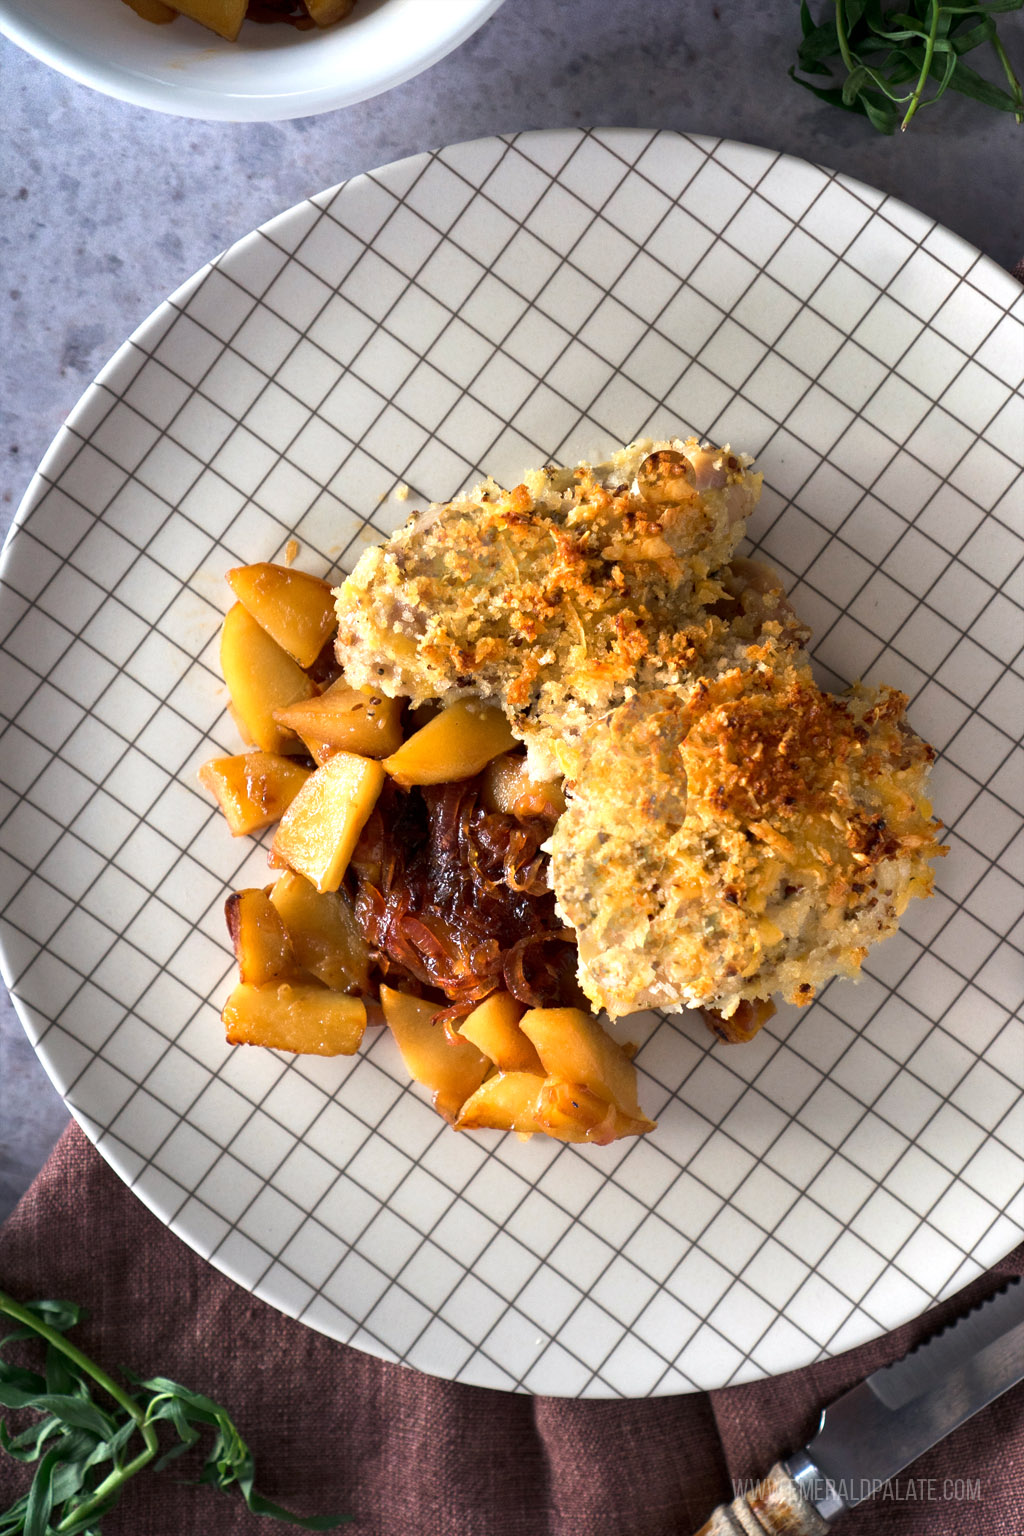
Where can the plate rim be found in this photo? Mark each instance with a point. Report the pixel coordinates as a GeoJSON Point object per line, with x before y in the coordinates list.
{"type": "Point", "coordinates": [66, 433]}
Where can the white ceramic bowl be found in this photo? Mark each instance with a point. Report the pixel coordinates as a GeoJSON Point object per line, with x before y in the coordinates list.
{"type": "Point", "coordinates": [271, 72]}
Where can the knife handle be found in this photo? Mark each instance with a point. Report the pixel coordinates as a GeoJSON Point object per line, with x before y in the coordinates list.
{"type": "Point", "coordinates": [776, 1507]}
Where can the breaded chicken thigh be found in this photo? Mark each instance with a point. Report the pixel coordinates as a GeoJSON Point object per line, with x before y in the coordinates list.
{"type": "Point", "coordinates": [746, 836]}
{"type": "Point", "coordinates": [558, 597]}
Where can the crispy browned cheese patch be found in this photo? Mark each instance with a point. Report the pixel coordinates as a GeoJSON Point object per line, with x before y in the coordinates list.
{"type": "Point", "coordinates": [748, 836]}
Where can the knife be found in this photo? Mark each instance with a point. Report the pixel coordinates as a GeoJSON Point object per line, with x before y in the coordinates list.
{"type": "Point", "coordinates": [871, 1433]}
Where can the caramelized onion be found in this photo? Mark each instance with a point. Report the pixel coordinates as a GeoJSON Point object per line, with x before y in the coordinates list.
{"type": "Point", "coordinates": [454, 898]}
{"type": "Point", "coordinates": [542, 966]}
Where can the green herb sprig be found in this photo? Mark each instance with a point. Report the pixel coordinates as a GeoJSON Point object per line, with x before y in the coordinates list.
{"type": "Point", "coordinates": [881, 58]}
{"type": "Point", "coordinates": [87, 1450]}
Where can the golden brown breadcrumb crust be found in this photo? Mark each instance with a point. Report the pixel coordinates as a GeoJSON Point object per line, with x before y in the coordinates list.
{"type": "Point", "coordinates": [557, 596]}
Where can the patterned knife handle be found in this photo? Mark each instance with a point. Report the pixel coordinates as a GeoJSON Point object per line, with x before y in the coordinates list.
{"type": "Point", "coordinates": [776, 1507]}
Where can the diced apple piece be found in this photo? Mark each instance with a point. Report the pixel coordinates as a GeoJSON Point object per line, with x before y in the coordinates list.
{"type": "Point", "coordinates": [505, 1102]}
{"type": "Point", "coordinates": [323, 931]}
{"type": "Point", "coordinates": [344, 719]}
{"type": "Point", "coordinates": [573, 1046]}
{"type": "Point", "coordinates": [507, 787]}
{"type": "Point", "coordinates": [321, 827]}
{"type": "Point", "coordinates": [153, 10]}
{"type": "Point", "coordinates": [309, 1020]}
{"type": "Point", "coordinates": [456, 744]}
{"type": "Point", "coordinates": [451, 1068]}
{"type": "Point", "coordinates": [296, 609]}
{"type": "Point", "coordinates": [261, 677]}
{"type": "Point", "coordinates": [224, 17]}
{"type": "Point", "coordinates": [326, 12]}
{"type": "Point", "coordinates": [493, 1027]}
{"type": "Point", "coordinates": [253, 789]}
{"type": "Point", "coordinates": [259, 938]}
{"type": "Point", "coordinates": [571, 1112]}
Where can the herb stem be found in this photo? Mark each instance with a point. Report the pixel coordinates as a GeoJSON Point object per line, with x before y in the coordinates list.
{"type": "Point", "coordinates": [929, 54]}
{"type": "Point", "coordinates": [875, 57]}
{"type": "Point", "coordinates": [57, 1341]}
{"type": "Point", "coordinates": [90, 1437]}
{"type": "Point", "coordinates": [118, 1475]}
{"type": "Point", "coordinates": [1013, 82]}
{"type": "Point", "coordinates": [844, 41]}
{"type": "Point", "coordinates": [110, 1484]}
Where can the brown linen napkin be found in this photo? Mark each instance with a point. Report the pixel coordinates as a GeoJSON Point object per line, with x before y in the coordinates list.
{"type": "Point", "coordinates": [408, 1455]}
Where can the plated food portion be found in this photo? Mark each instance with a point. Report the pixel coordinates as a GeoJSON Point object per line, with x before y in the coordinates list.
{"type": "Point", "coordinates": [552, 751]}
{"type": "Point", "coordinates": [225, 17]}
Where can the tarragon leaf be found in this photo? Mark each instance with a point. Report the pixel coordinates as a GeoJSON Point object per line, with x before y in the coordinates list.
{"type": "Point", "coordinates": [87, 1453]}
{"type": "Point", "coordinates": [909, 55]}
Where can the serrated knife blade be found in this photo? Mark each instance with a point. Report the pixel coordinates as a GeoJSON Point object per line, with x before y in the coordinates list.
{"type": "Point", "coordinates": [875, 1430]}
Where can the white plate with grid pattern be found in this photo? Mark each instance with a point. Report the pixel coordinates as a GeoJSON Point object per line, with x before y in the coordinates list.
{"type": "Point", "coordinates": [484, 309]}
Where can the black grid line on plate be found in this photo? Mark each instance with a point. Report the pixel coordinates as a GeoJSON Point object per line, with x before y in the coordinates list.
{"type": "Point", "coordinates": [132, 743]}
{"type": "Point", "coordinates": [876, 211]}
{"type": "Point", "coordinates": [794, 1115]}
{"type": "Point", "coordinates": [384, 1343]}
{"type": "Point", "coordinates": [129, 743]}
{"type": "Point", "coordinates": [816, 380]}
{"type": "Point", "coordinates": [965, 359]}
{"type": "Point", "coordinates": [463, 391]}
{"type": "Point", "coordinates": [722, 236]}
{"type": "Point", "coordinates": [749, 1083]}
{"type": "Point", "coordinates": [425, 1237]}
{"type": "Point", "coordinates": [868, 1109]}
{"type": "Point", "coordinates": [566, 259]}
{"type": "Point", "coordinates": [581, 1216]}
{"type": "Point", "coordinates": [738, 390]}
{"type": "Point", "coordinates": [413, 1346]}
{"type": "Point", "coordinates": [832, 178]}
{"type": "Point", "coordinates": [191, 296]}
{"type": "Point", "coordinates": [852, 1095]}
